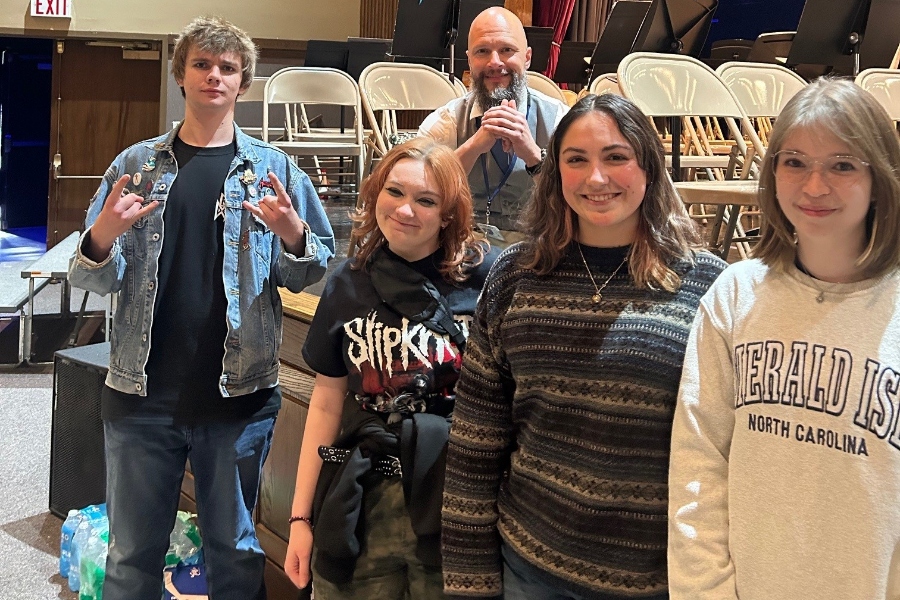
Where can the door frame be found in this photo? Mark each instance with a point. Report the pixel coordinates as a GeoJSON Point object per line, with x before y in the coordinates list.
{"type": "Point", "coordinates": [55, 173]}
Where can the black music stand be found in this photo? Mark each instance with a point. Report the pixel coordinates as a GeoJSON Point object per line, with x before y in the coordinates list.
{"type": "Point", "coordinates": [539, 39]}
{"type": "Point", "coordinates": [848, 36]}
{"type": "Point", "coordinates": [676, 26]}
{"type": "Point", "coordinates": [326, 53]}
{"type": "Point", "coordinates": [365, 51]}
{"type": "Point", "coordinates": [573, 63]}
{"type": "Point", "coordinates": [882, 35]}
{"type": "Point", "coordinates": [619, 35]}
{"type": "Point", "coordinates": [421, 30]}
{"type": "Point", "coordinates": [436, 30]}
{"type": "Point", "coordinates": [828, 33]}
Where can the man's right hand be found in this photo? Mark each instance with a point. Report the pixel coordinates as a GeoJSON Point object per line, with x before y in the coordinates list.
{"type": "Point", "coordinates": [484, 139]}
{"type": "Point", "coordinates": [481, 141]}
{"type": "Point", "coordinates": [299, 554]}
{"type": "Point", "coordinates": [118, 214]}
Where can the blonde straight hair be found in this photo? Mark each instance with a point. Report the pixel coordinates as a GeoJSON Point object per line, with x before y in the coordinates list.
{"type": "Point", "coordinates": [855, 117]}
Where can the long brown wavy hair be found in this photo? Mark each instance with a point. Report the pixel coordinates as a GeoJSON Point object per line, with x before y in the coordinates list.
{"type": "Point", "coordinates": [461, 249]}
{"type": "Point", "coordinates": [665, 231]}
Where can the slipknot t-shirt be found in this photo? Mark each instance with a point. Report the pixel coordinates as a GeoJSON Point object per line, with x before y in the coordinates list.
{"type": "Point", "coordinates": [355, 334]}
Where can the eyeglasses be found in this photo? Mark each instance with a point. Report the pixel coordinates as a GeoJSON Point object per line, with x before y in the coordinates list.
{"type": "Point", "coordinates": [836, 170]}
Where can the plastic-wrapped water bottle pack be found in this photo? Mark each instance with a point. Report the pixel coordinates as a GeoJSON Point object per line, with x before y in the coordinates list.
{"type": "Point", "coordinates": [84, 544]}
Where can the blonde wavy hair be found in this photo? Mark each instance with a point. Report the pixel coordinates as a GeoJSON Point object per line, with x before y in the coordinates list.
{"type": "Point", "coordinates": [216, 36]}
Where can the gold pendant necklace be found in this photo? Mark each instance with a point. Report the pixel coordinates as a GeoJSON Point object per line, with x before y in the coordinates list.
{"type": "Point", "coordinates": [597, 297]}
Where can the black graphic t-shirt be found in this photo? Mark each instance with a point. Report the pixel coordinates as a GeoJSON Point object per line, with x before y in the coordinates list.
{"type": "Point", "coordinates": [187, 339]}
{"type": "Point", "coordinates": [355, 334]}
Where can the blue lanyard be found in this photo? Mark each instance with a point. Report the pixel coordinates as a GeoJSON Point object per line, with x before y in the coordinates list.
{"type": "Point", "coordinates": [491, 194]}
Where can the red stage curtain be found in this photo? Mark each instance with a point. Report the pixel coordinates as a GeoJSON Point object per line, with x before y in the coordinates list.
{"type": "Point", "coordinates": [555, 14]}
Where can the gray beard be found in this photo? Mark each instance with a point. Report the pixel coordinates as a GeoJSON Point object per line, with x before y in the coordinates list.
{"type": "Point", "coordinates": [488, 99]}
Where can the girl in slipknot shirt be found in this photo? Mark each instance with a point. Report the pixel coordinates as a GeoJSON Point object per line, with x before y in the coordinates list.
{"type": "Point", "coordinates": [387, 342]}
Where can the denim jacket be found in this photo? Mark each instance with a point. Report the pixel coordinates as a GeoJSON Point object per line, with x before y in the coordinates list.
{"type": "Point", "coordinates": [255, 261]}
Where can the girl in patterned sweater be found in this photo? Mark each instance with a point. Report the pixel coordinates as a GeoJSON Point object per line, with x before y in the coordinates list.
{"type": "Point", "coordinates": [559, 449]}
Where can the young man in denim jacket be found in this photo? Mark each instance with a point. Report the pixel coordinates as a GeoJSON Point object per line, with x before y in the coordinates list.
{"type": "Point", "coordinates": [194, 231]}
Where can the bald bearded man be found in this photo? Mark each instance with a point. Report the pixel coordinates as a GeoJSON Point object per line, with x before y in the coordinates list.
{"type": "Point", "coordinates": [501, 128]}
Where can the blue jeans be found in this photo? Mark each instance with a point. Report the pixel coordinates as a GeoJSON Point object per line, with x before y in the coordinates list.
{"type": "Point", "coordinates": [144, 468]}
{"type": "Point", "coordinates": [524, 581]}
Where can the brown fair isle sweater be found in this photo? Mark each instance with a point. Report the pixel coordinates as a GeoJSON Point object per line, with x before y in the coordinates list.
{"type": "Point", "coordinates": [560, 438]}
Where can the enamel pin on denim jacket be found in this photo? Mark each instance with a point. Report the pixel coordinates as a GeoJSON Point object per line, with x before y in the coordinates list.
{"type": "Point", "coordinates": [255, 263]}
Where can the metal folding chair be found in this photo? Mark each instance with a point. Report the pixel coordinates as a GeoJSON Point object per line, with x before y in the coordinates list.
{"type": "Point", "coordinates": [670, 85]}
{"type": "Point", "coordinates": [296, 88]}
{"type": "Point", "coordinates": [762, 90]}
{"type": "Point", "coordinates": [884, 84]}
{"type": "Point", "coordinates": [606, 83]}
{"type": "Point", "coordinates": [390, 87]}
{"type": "Point", "coordinates": [545, 85]}
{"type": "Point", "coordinates": [256, 91]}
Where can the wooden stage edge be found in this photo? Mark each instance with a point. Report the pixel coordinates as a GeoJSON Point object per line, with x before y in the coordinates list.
{"type": "Point", "coordinates": [299, 306]}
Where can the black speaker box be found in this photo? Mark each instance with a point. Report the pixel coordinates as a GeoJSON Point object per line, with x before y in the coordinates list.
{"type": "Point", "coordinates": [77, 464]}
{"type": "Point", "coordinates": [50, 332]}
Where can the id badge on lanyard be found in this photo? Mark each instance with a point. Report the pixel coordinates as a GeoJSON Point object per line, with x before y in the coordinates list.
{"type": "Point", "coordinates": [486, 228]}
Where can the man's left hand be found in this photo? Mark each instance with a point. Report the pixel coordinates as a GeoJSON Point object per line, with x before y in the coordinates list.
{"type": "Point", "coordinates": [279, 215]}
{"type": "Point", "coordinates": [507, 123]}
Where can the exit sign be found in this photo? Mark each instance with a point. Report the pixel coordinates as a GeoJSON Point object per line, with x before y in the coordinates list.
{"type": "Point", "coordinates": [51, 8]}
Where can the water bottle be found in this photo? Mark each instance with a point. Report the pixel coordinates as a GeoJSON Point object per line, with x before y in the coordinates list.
{"type": "Point", "coordinates": [82, 532]}
{"type": "Point", "coordinates": [94, 517]}
{"type": "Point", "coordinates": [93, 564]}
{"type": "Point", "coordinates": [184, 541]}
{"type": "Point", "coordinates": [65, 540]}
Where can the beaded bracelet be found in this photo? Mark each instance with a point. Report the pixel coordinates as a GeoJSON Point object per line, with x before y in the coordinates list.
{"type": "Point", "coordinates": [306, 520]}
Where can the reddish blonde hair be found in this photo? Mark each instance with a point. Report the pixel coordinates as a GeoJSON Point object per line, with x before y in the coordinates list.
{"type": "Point", "coordinates": [457, 240]}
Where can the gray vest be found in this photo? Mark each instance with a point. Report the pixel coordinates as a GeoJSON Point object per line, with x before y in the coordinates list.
{"type": "Point", "coordinates": [515, 193]}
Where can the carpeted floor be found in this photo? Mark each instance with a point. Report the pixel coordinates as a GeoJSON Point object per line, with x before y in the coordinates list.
{"type": "Point", "coordinates": [29, 534]}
